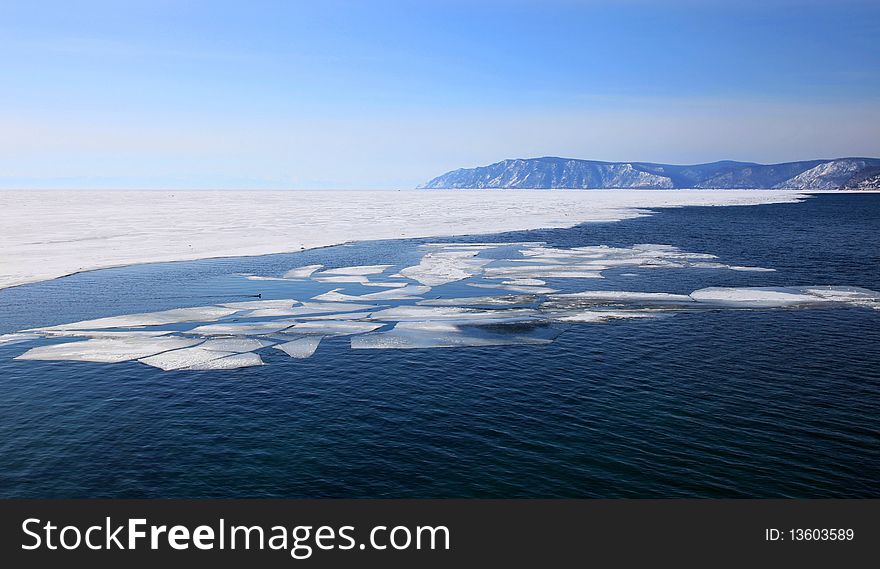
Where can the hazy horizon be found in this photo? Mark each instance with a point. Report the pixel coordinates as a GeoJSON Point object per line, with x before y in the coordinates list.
{"type": "Point", "coordinates": [345, 95]}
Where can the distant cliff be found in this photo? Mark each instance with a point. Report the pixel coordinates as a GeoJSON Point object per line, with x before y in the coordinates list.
{"type": "Point", "coordinates": [588, 174]}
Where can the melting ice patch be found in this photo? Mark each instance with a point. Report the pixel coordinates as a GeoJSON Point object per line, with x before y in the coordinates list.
{"type": "Point", "coordinates": [519, 307]}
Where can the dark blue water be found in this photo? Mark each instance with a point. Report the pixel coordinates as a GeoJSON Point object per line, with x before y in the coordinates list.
{"type": "Point", "coordinates": [708, 404]}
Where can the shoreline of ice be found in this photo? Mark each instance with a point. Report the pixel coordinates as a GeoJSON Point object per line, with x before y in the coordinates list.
{"type": "Point", "coordinates": [52, 234]}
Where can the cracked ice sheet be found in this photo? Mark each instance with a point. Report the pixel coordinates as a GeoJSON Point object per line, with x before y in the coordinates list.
{"type": "Point", "coordinates": [108, 350]}
{"type": "Point", "coordinates": [235, 361]}
{"type": "Point", "coordinates": [175, 316]}
{"type": "Point", "coordinates": [184, 358]}
{"type": "Point", "coordinates": [300, 348]}
{"type": "Point", "coordinates": [411, 335]}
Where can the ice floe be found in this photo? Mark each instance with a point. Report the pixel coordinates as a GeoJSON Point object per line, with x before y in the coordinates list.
{"type": "Point", "coordinates": [357, 270]}
{"type": "Point", "coordinates": [235, 345]}
{"type": "Point", "coordinates": [404, 293]}
{"type": "Point", "coordinates": [314, 308]}
{"type": "Point", "coordinates": [301, 272]}
{"type": "Point", "coordinates": [502, 300]}
{"type": "Point", "coordinates": [183, 358]}
{"type": "Point", "coordinates": [301, 347]}
{"type": "Point", "coordinates": [597, 316]}
{"type": "Point", "coordinates": [333, 327]}
{"type": "Point", "coordinates": [453, 313]}
{"type": "Point", "coordinates": [446, 264]}
{"type": "Point", "coordinates": [17, 338]}
{"type": "Point", "coordinates": [228, 335]}
{"type": "Point", "coordinates": [241, 328]}
{"type": "Point", "coordinates": [413, 335]}
{"type": "Point", "coordinates": [175, 316]}
{"type": "Point", "coordinates": [525, 282]}
{"type": "Point", "coordinates": [261, 304]}
{"type": "Point", "coordinates": [108, 350]}
{"type": "Point", "coordinates": [512, 288]}
{"type": "Point", "coordinates": [781, 297]}
{"type": "Point", "coordinates": [235, 361]}
{"type": "Point", "coordinates": [612, 296]}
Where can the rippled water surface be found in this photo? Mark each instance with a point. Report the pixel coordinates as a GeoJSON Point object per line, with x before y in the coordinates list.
{"type": "Point", "coordinates": [749, 403]}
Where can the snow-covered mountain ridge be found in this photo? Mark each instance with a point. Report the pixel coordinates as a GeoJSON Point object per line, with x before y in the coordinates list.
{"type": "Point", "coordinates": [551, 172]}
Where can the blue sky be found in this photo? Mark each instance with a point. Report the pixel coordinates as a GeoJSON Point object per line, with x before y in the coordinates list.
{"type": "Point", "coordinates": [333, 94]}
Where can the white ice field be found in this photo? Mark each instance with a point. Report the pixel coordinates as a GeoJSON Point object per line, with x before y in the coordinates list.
{"type": "Point", "coordinates": [515, 307]}
{"type": "Point", "coordinates": [49, 234]}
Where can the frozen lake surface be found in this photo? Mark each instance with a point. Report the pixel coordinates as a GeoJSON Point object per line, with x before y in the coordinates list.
{"type": "Point", "coordinates": [697, 352]}
{"type": "Point", "coordinates": [48, 234]}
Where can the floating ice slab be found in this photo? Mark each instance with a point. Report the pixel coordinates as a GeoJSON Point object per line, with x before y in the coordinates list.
{"type": "Point", "coordinates": [273, 312]}
{"type": "Point", "coordinates": [453, 313]}
{"type": "Point", "coordinates": [235, 361]}
{"type": "Point", "coordinates": [9, 339]}
{"type": "Point", "coordinates": [413, 335]}
{"type": "Point", "coordinates": [301, 272]}
{"type": "Point", "coordinates": [261, 304]}
{"type": "Point", "coordinates": [545, 272]}
{"type": "Point", "coordinates": [175, 316]}
{"type": "Point", "coordinates": [300, 348]}
{"type": "Point", "coordinates": [753, 297]}
{"type": "Point", "coordinates": [235, 345]}
{"type": "Point", "coordinates": [502, 300]}
{"type": "Point", "coordinates": [186, 357]}
{"type": "Point", "coordinates": [599, 316]}
{"type": "Point", "coordinates": [241, 328]}
{"type": "Point", "coordinates": [525, 282]}
{"type": "Point", "coordinates": [105, 333]}
{"type": "Point", "coordinates": [520, 289]}
{"type": "Point", "coordinates": [333, 327]}
{"type": "Point", "coordinates": [625, 296]}
{"type": "Point", "coordinates": [108, 350]}
{"type": "Point", "coordinates": [340, 279]}
{"type": "Point", "coordinates": [404, 293]}
{"type": "Point", "coordinates": [443, 267]}
{"type": "Point", "coordinates": [856, 296]}
{"type": "Point", "coordinates": [388, 284]}
{"type": "Point", "coordinates": [358, 270]}
{"type": "Point", "coordinates": [314, 308]}
{"type": "Point", "coordinates": [751, 269]}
